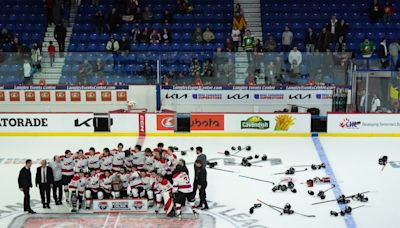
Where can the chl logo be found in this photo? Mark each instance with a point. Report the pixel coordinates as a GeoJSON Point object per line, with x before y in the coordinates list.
{"type": "Point", "coordinates": [88, 123]}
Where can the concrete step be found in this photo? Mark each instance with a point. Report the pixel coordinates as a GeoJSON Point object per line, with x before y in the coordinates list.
{"type": "Point", "coordinates": [249, 10]}
{"type": "Point", "coordinates": [55, 65]}
{"type": "Point", "coordinates": [254, 29]}
{"type": "Point", "coordinates": [51, 70]}
{"type": "Point", "coordinates": [51, 34]}
{"type": "Point", "coordinates": [51, 29]}
{"type": "Point", "coordinates": [253, 15]}
{"type": "Point", "coordinates": [241, 65]}
{"type": "Point", "coordinates": [251, 20]}
{"type": "Point", "coordinates": [243, 2]}
{"type": "Point", "coordinates": [56, 60]}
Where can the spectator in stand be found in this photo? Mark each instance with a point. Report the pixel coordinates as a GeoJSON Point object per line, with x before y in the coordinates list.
{"type": "Point", "coordinates": [85, 70]}
{"type": "Point", "coordinates": [341, 29]}
{"type": "Point", "coordinates": [367, 48]}
{"type": "Point", "coordinates": [112, 45]}
{"type": "Point", "coordinates": [240, 23]}
{"type": "Point", "coordinates": [49, 10]}
{"type": "Point", "coordinates": [129, 16]}
{"type": "Point", "coordinates": [16, 46]}
{"type": "Point", "coordinates": [287, 39]}
{"type": "Point", "coordinates": [124, 45]}
{"type": "Point", "coordinates": [27, 72]}
{"type": "Point", "coordinates": [197, 80]}
{"type": "Point", "coordinates": [394, 49]}
{"type": "Point", "coordinates": [166, 36]}
{"type": "Point", "coordinates": [383, 53]}
{"type": "Point", "coordinates": [197, 36]}
{"type": "Point", "coordinates": [99, 68]}
{"type": "Point", "coordinates": [375, 11]}
{"type": "Point", "coordinates": [236, 37]}
{"type": "Point", "coordinates": [5, 37]}
{"type": "Point", "coordinates": [194, 68]}
{"type": "Point", "coordinates": [295, 58]}
{"type": "Point", "coordinates": [258, 54]}
{"type": "Point", "coordinates": [181, 78]}
{"type": "Point", "coordinates": [270, 44]}
{"type": "Point", "coordinates": [183, 6]}
{"type": "Point", "coordinates": [238, 9]}
{"type": "Point", "coordinates": [208, 35]}
{"type": "Point", "coordinates": [57, 12]}
{"type": "Point", "coordinates": [52, 52]}
{"type": "Point", "coordinates": [114, 21]}
{"type": "Point", "coordinates": [135, 35]}
{"type": "Point", "coordinates": [155, 37]}
{"type": "Point", "coordinates": [208, 68]}
{"type": "Point", "coordinates": [323, 40]}
{"type": "Point", "coordinates": [332, 28]}
{"type": "Point", "coordinates": [168, 79]}
{"type": "Point", "coordinates": [340, 45]}
{"type": "Point", "coordinates": [250, 80]}
{"type": "Point", "coordinates": [249, 45]}
{"type": "Point", "coordinates": [388, 11]}
{"type": "Point", "coordinates": [60, 33]}
{"type": "Point", "coordinates": [167, 17]}
{"type": "Point", "coordinates": [145, 36]}
{"type": "Point", "coordinates": [132, 5]}
{"type": "Point", "coordinates": [310, 40]}
{"type": "Point", "coordinates": [99, 18]}
{"type": "Point", "coordinates": [228, 45]}
{"type": "Point", "coordinates": [148, 73]}
{"type": "Point", "coordinates": [375, 104]}
{"type": "Point", "coordinates": [36, 57]}
{"type": "Point", "coordinates": [147, 15]}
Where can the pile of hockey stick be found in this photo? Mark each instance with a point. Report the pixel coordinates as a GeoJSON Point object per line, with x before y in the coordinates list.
{"type": "Point", "coordinates": [287, 209]}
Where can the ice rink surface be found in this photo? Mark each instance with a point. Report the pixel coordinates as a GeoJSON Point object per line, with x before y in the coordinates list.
{"type": "Point", "coordinates": [354, 161]}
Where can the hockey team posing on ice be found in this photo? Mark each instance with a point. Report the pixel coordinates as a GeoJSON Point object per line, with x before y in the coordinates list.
{"type": "Point", "coordinates": [153, 174]}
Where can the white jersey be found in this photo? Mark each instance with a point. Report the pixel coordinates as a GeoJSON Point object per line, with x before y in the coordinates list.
{"type": "Point", "coordinates": [163, 186]}
{"type": "Point", "coordinates": [135, 180]}
{"type": "Point", "coordinates": [182, 183]}
{"type": "Point", "coordinates": [81, 164]}
{"type": "Point", "coordinates": [106, 162]}
{"type": "Point", "coordinates": [105, 183]}
{"type": "Point", "coordinates": [172, 162]}
{"type": "Point", "coordinates": [93, 182]}
{"type": "Point", "coordinates": [124, 179]}
{"type": "Point", "coordinates": [161, 166]}
{"type": "Point", "coordinates": [149, 163]}
{"type": "Point", "coordinates": [67, 166]}
{"type": "Point", "coordinates": [148, 182]}
{"type": "Point", "coordinates": [139, 158]}
{"type": "Point", "coordinates": [118, 161]}
{"type": "Point", "coordinates": [78, 183]}
{"type": "Point", "coordinates": [93, 161]}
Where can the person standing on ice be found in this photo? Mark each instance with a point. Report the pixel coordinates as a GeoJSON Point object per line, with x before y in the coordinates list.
{"type": "Point", "coordinates": [201, 180]}
{"type": "Point", "coordinates": [203, 158]}
{"type": "Point", "coordinates": [25, 183]}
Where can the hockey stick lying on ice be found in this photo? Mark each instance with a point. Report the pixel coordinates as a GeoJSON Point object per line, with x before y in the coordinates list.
{"type": "Point", "coordinates": [225, 170]}
{"type": "Point", "coordinates": [252, 178]}
{"type": "Point", "coordinates": [294, 212]}
{"type": "Point", "coordinates": [291, 171]}
{"type": "Point", "coordinates": [335, 200]}
{"type": "Point", "coordinates": [270, 206]}
{"type": "Point", "coordinates": [233, 155]}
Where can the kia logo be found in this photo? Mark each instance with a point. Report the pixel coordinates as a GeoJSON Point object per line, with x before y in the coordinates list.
{"type": "Point", "coordinates": [168, 122]}
{"type": "Point", "coordinates": [88, 123]}
{"type": "Point", "coordinates": [176, 96]}
{"type": "Point", "coordinates": [238, 97]}
{"type": "Point", "coordinates": [299, 96]}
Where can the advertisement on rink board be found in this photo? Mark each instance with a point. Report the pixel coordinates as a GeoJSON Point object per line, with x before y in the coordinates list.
{"type": "Point", "coordinates": [207, 122]}
{"type": "Point", "coordinates": [255, 95]}
{"type": "Point", "coordinates": [165, 122]}
{"type": "Point", "coordinates": [46, 122]}
{"type": "Point", "coordinates": [278, 123]}
{"type": "Point", "coordinates": [363, 123]}
{"type": "Point", "coordinates": [120, 205]}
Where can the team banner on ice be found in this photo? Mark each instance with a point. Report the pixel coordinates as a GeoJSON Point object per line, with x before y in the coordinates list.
{"type": "Point", "coordinates": [363, 123]}
{"type": "Point", "coordinates": [177, 95]}
{"type": "Point", "coordinates": [120, 205]}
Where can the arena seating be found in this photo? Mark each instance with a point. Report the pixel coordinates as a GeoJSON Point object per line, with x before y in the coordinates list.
{"type": "Point", "coordinates": [26, 20]}
{"type": "Point", "coordinates": [300, 14]}
{"type": "Point", "coordinates": [175, 56]}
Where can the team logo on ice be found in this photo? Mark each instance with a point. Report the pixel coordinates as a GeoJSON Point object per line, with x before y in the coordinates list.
{"type": "Point", "coordinates": [103, 205]}
{"type": "Point", "coordinates": [346, 123]}
{"type": "Point", "coordinates": [254, 122]}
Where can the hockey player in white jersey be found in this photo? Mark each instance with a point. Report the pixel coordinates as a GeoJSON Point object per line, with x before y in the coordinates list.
{"type": "Point", "coordinates": [135, 186]}
{"type": "Point", "coordinates": [148, 182]}
{"type": "Point", "coordinates": [182, 190]}
{"type": "Point", "coordinates": [93, 159]}
{"type": "Point", "coordinates": [106, 160]}
{"type": "Point", "coordinates": [163, 191]}
{"type": "Point", "coordinates": [76, 190]}
{"type": "Point", "coordinates": [105, 185]}
{"type": "Point", "coordinates": [138, 157]}
{"type": "Point", "coordinates": [67, 171]}
{"type": "Point", "coordinates": [118, 158]}
{"type": "Point", "coordinates": [149, 160]}
{"type": "Point", "coordinates": [124, 176]}
{"type": "Point", "coordinates": [81, 162]}
{"type": "Point", "coordinates": [92, 188]}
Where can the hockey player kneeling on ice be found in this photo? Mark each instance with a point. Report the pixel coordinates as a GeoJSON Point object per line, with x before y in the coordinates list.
{"type": "Point", "coordinates": [124, 176]}
{"type": "Point", "coordinates": [92, 188]}
{"type": "Point", "coordinates": [105, 185]}
{"type": "Point", "coordinates": [148, 181]}
{"type": "Point", "coordinates": [163, 191]}
{"type": "Point", "coordinates": [76, 190]}
{"type": "Point", "coordinates": [135, 184]}
{"type": "Point", "coordinates": [182, 189]}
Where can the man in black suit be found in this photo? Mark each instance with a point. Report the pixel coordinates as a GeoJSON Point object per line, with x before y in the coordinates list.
{"type": "Point", "coordinates": [25, 183]}
{"type": "Point", "coordinates": [44, 180]}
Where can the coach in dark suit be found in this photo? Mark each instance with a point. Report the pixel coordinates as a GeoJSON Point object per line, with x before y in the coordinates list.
{"type": "Point", "coordinates": [44, 180]}
{"type": "Point", "coordinates": [25, 183]}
